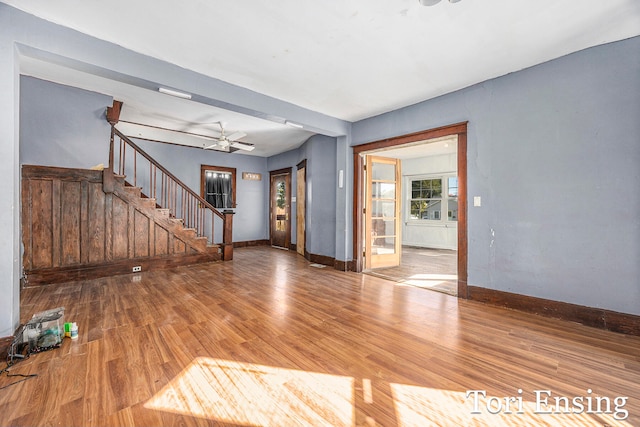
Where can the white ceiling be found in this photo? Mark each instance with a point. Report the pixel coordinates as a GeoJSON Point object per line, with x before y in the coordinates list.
{"type": "Point", "coordinates": [155, 109]}
{"type": "Point", "coordinates": [349, 59]}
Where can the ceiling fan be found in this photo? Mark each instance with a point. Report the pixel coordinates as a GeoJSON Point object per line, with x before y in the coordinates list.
{"type": "Point", "coordinates": [230, 143]}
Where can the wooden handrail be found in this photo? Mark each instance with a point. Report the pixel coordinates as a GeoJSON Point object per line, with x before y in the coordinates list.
{"type": "Point", "coordinates": [172, 193]}
{"type": "Point", "coordinates": [166, 172]}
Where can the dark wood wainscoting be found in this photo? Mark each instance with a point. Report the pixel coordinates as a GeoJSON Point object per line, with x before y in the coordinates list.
{"type": "Point", "coordinates": [72, 229]}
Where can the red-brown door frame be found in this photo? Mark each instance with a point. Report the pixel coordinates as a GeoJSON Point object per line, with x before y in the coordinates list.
{"type": "Point", "coordinates": [287, 173]}
{"type": "Point", "coordinates": [459, 129]}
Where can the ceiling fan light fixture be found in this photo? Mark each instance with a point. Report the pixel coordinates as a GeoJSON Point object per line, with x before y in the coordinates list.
{"type": "Point", "coordinates": [243, 146]}
{"type": "Point", "coordinates": [175, 93]}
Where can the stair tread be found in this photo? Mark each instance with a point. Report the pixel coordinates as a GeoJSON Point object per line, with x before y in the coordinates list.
{"type": "Point", "coordinates": [200, 243]}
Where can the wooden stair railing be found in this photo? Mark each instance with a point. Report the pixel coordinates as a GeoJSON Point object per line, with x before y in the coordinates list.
{"type": "Point", "coordinates": [157, 183]}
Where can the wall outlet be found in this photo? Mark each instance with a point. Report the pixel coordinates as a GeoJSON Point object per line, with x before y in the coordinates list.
{"type": "Point", "coordinates": [137, 269]}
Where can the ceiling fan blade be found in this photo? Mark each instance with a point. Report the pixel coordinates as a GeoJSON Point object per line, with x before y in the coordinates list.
{"type": "Point", "coordinates": [243, 146]}
{"type": "Point", "coordinates": [236, 135]}
{"type": "Point", "coordinates": [211, 147]}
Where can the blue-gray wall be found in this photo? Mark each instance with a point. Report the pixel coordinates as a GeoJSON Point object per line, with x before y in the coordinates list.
{"type": "Point", "coordinates": [320, 221]}
{"type": "Point", "coordinates": [321, 196]}
{"type": "Point", "coordinates": [62, 126]}
{"type": "Point", "coordinates": [554, 152]}
{"type": "Point", "coordinates": [250, 221]}
{"type": "Point", "coordinates": [66, 127]}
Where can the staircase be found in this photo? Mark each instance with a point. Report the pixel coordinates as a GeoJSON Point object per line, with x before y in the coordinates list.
{"type": "Point", "coordinates": [132, 216]}
{"type": "Point", "coordinates": [185, 239]}
{"type": "Point", "coordinates": [165, 198]}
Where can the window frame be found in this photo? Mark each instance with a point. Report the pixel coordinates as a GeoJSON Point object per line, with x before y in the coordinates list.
{"type": "Point", "coordinates": [220, 169]}
{"type": "Point", "coordinates": [444, 199]}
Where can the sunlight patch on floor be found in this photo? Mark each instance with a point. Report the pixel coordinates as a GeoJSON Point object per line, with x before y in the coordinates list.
{"type": "Point", "coordinates": [429, 280]}
{"type": "Point", "coordinates": [433, 277]}
{"type": "Point", "coordinates": [444, 283]}
{"type": "Point", "coordinates": [439, 282]}
{"type": "Point", "coordinates": [257, 395]}
{"type": "Point", "coordinates": [423, 283]}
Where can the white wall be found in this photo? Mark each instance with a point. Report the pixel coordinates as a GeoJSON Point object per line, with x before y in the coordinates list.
{"type": "Point", "coordinates": [427, 234]}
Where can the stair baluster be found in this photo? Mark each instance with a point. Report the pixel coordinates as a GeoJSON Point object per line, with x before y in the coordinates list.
{"type": "Point", "coordinates": [168, 192]}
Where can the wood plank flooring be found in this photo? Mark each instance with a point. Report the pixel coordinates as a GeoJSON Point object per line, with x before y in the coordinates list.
{"type": "Point", "coordinates": [435, 269]}
{"type": "Point", "coordinates": [269, 340]}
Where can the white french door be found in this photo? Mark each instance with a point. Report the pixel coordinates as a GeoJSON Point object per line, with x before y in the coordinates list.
{"type": "Point", "coordinates": [382, 212]}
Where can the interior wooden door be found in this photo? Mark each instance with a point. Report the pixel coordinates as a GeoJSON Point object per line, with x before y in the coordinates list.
{"type": "Point", "coordinates": [382, 212]}
{"type": "Point", "coordinates": [280, 208]}
{"type": "Point", "coordinates": [301, 190]}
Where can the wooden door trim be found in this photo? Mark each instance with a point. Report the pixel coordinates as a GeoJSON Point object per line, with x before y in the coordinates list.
{"type": "Point", "coordinates": [302, 165]}
{"type": "Point", "coordinates": [458, 129]}
{"type": "Point", "coordinates": [232, 171]}
{"type": "Point", "coordinates": [278, 172]}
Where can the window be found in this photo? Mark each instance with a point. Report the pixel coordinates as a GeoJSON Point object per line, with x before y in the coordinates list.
{"type": "Point", "coordinates": [218, 186]}
{"type": "Point", "coordinates": [432, 197]}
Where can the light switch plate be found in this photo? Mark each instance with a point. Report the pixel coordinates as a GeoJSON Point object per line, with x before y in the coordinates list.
{"type": "Point", "coordinates": [477, 201]}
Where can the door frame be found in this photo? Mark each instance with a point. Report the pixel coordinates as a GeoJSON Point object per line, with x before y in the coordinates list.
{"type": "Point", "coordinates": [287, 173]}
{"type": "Point", "coordinates": [301, 210]}
{"type": "Point", "coordinates": [459, 130]}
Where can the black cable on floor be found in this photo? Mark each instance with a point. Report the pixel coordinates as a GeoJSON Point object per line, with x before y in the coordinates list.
{"type": "Point", "coordinates": [26, 377]}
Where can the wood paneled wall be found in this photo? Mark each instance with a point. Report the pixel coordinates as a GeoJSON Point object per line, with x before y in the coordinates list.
{"type": "Point", "coordinates": [71, 228]}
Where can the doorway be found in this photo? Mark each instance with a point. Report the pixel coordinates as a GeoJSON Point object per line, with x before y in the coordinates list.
{"type": "Point", "coordinates": [456, 210]}
{"type": "Point", "coordinates": [427, 268]}
{"type": "Point", "coordinates": [280, 208]}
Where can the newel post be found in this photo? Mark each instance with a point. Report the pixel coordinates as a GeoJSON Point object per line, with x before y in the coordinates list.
{"type": "Point", "coordinates": [112, 116]}
{"type": "Point", "coordinates": [227, 236]}
{"type": "Point", "coordinates": [107, 174]}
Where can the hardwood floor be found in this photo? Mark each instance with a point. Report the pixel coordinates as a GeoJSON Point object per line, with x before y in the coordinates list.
{"type": "Point", "coordinates": [268, 340]}
{"type": "Point", "coordinates": [435, 269]}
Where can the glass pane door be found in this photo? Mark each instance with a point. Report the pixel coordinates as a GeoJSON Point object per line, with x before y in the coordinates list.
{"type": "Point", "coordinates": [382, 212]}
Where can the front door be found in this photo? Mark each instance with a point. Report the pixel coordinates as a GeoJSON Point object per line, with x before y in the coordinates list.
{"type": "Point", "coordinates": [382, 212]}
{"type": "Point", "coordinates": [280, 208]}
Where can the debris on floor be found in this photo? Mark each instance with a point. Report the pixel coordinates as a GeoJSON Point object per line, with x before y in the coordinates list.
{"type": "Point", "coordinates": [44, 331]}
